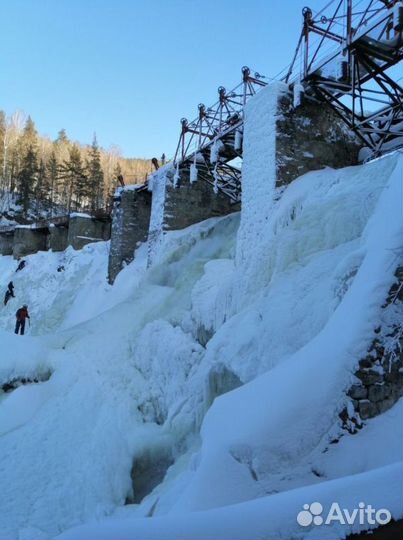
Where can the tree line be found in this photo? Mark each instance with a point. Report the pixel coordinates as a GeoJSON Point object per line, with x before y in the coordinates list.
{"type": "Point", "coordinates": [46, 178]}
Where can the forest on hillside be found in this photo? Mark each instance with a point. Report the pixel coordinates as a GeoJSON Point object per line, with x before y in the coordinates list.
{"type": "Point", "coordinates": [40, 177]}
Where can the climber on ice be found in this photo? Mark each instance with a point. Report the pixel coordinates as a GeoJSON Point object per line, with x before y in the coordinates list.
{"type": "Point", "coordinates": [21, 315]}
{"type": "Point", "coordinates": [21, 265]}
{"type": "Point", "coordinates": [9, 293]}
{"type": "Point", "coordinates": [10, 287]}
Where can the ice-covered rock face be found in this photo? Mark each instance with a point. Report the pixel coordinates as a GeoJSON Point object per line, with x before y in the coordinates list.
{"type": "Point", "coordinates": [287, 319]}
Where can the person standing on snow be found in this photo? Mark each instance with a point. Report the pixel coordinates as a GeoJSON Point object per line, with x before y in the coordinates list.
{"type": "Point", "coordinates": [21, 315]}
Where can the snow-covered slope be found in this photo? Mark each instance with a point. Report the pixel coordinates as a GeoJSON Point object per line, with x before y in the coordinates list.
{"type": "Point", "coordinates": [135, 367]}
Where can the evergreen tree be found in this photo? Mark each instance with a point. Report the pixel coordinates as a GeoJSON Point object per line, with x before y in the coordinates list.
{"type": "Point", "coordinates": [26, 179]}
{"type": "Point", "coordinates": [95, 176]}
{"type": "Point", "coordinates": [72, 172]}
{"type": "Point", "coordinates": [53, 176]}
{"type": "Point", "coordinates": [62, 137]}
{"type": "Point", "coordinates": [42, 189]}
{"type": "Point", "coordinates": [2, 147]}
{"type": "Point", "coordinates": [30, 135]}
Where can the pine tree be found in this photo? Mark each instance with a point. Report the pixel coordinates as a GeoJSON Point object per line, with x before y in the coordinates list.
{"type": "Point", "coordinates": [42, 189]}
{"type": "Point", "coordinates": [72, 172]}
{"type": "Point", "coordinates": [30, 135]}
{"type": "Point", "coordinates": [27, 178]}
{"type": "Point", "coordinates": [53, 176]}
{"type": "Point", "coordinates": [62, 137]}
{"type": "Point", "coordinates": [2, 146]}
{"type": "Point", "coordinates": [95, 176]}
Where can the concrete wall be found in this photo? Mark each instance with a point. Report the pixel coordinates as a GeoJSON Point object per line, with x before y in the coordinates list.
{"type": "Point", "coordinates": [130, 224]}
{"type": "Point", "coordinates": [7, 243]}
{"type": "Point", "coordinates": [85, 229]}
{"type": "Point", "coordinates": [79, 231]}
{"type": "Point", "coordinates": [189, 203]}
{"type": "Point", "coordinates": [57, 240]}
{"type": "Point", "coordinates": [177, 207]}
{"type": "Point", "coordinates": [310, 137]}
{"type": "Point", "coordinates": [28, 241]}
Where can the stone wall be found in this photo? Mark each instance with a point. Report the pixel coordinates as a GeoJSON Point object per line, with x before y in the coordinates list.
{"type": "Point", "coordinates": [85, 229]}
{"type": "Point", "coordinates": [28, 241]}
{"type": "Point", "coordinates": [57, 240]}
{"type": "Point", "coordinates": [130, 224]}
{"type": "Point", "coordinates": [188, 203]}
{"type": "Point", "coordinates": [379, 379]}
{"type": "Point", "coordinates": [310, 137]}
{"type": "Point", "coordinates": [178, 206]}
{"type": "Point", "coordinates": [7, 243]}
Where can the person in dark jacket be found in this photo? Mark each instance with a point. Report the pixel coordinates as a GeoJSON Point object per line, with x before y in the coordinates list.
{"type": "Point", "coordinates": [21, 316]}
{"type": "Point", "coordinates": [7, 297]}
{"type": "Point", "coordinates": [21, 265]}
{"type": "Point", "coordinates": [11, 289]}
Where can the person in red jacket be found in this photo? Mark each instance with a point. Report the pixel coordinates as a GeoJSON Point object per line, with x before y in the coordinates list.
{"type": "Point", "coordinates": [21, 315]}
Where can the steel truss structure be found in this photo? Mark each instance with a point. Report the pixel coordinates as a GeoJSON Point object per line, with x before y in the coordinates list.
{"type": "Point", "coordinates": [356, 76]}
{"type": "Point", "coordinates": [346, 59]}
{"type": "Point", "coordinates": [217, 130]}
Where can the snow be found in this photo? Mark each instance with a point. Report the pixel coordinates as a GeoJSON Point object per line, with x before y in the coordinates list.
{"type": "Point", "coordinates": [80, 215]}
{"type": "Point", "coordinates": [55, 298]}
{"type": "Point", "coordinates": [298, 92]}
{"type": "Point", "coordinates": [231, 354]}
{"type": "Point", "coordinates": [251, 520]}
{"type": "Point", "coordinates": [21, 406]}
{"type": "Point", "coordinates": [131, 187]}
{"type": "Point", "coordinates": [193, 173]}
{"type": "Point", "coordinates": [16, 363]}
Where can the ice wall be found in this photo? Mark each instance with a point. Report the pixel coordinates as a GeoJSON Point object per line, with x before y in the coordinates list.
{"type": "Point", "coordinates": [258, 183]}
{"type": "Point", "coordinates": [157, 185]}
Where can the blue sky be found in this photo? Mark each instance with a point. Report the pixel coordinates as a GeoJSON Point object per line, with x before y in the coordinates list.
{"type": "Point", "coordinates": [130, 69]}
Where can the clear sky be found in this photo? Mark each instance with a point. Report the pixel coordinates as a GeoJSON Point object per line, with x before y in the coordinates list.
{"type": "Point", "coordinates": [130, 69]}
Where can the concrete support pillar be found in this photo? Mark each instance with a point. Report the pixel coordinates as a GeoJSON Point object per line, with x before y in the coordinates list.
{"type": "Point", "coordinates": [6, 243]}
{"type": "Point", "coordinates": [84, 229]}
{"type": "Point", "coordinates": [310, 137]}
{"type": "Point", "coordinates": [130, 224]}
{"type": "Point", "coordinates": [58, 237]}
{"type": "Point", "coordinates": [177, 207]}
{"type": "Point", "coordinates": [29, 240]}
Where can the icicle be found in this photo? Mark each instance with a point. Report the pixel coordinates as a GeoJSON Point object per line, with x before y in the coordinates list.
{"type": "Point", "coordinates": [213, 153]}
{"type": "Point", "coordinates": [215, 150]}
{"type": "Point", "coordinates": [238, 140]}
{"type": "Point", "coordinates": [176, 177]}
{"type": "Point", "coordinates": [150, 183]}
{"type": "Point", "coordinates": [193, 173]}
{"type": "Point", "coordinates": [298, 93]}
{"type": "Point", "coordinates": [215, 187]}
